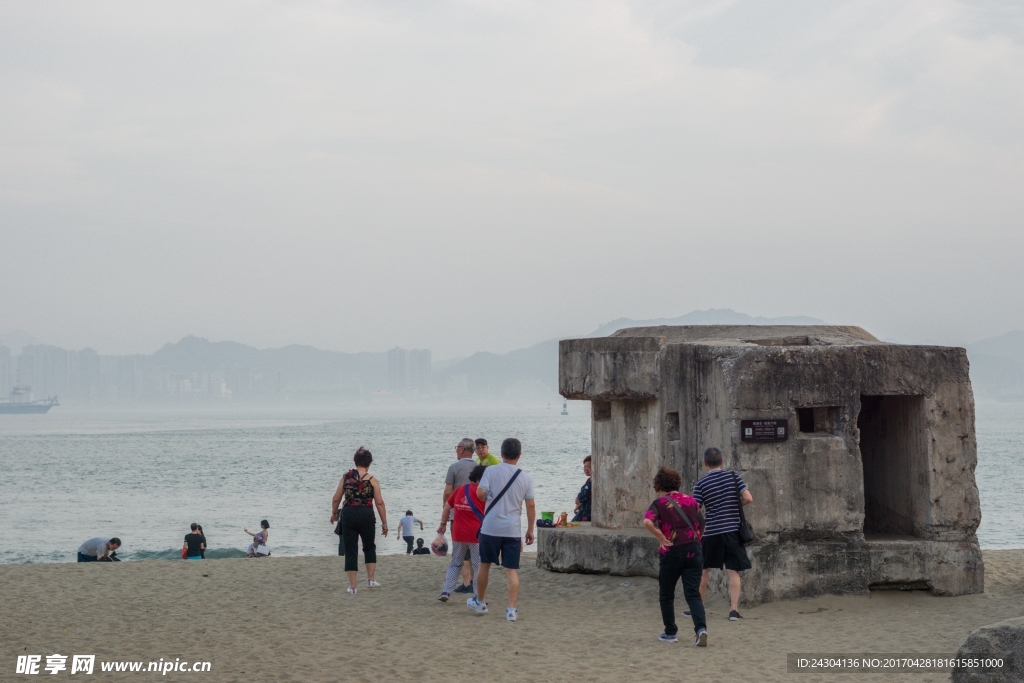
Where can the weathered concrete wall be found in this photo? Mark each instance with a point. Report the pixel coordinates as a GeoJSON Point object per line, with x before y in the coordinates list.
{"type": "Point", "coordinates": [626, 453]}
{"type": "Point", "coordinates": [790, 570]}
{"type": "Point", "coordinates": [797, 569]}
{"type": "Point", "coordinates": [600, 369]}
{"type": "Point", "coordinates": [941, 567]}
{"type": "Point", "coordinates": [809, 487]}
{"type": "Point", "coordinates": [694, 384]}
{"type": "Point", "coordinates": [954, 505]}
{"type": "Point", "coordinates": [821, 475]}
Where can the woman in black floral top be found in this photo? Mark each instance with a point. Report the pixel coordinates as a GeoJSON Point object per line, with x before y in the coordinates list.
{"type": "Point", "coordinates": [360, 491]}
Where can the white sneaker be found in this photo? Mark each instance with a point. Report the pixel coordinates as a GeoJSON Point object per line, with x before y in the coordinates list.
{"type": "Point", "coordinates": [511, 613]}
{"type": "Point", "coordinates": [373, 584]}
{"type": "Point", "coordinates": [476, 605]}
{"type": "Point", "coordinates": [350, 590]}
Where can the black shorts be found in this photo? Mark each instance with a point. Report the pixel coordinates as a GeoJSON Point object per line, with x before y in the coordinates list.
{"type": "Point", "coordinates": [724, 549]}
{"type": "Point", "coordinates": [501, 550]}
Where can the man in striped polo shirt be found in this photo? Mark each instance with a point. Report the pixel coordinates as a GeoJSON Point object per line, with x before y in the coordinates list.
{"type": "Point", "coordinates": [717, 492]}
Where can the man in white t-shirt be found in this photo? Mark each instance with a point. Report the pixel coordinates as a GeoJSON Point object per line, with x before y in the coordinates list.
{"type": "Point", "coordinates": [406, 523]}
{"type": "Point", "coordinates": [504, 488]}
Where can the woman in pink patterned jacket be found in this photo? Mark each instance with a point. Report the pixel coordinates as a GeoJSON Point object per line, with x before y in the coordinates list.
{"type": "Point", "coordinates": [674, 519]}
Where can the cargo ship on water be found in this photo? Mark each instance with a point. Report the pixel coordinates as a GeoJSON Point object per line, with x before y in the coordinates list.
{"type": "Point", "coordinates": [21, 403]}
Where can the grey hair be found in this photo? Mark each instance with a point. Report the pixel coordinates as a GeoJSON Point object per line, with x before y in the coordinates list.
{"type": "Point", "coordinates": [713, 457]}
{"type": "Point", "coordinates": [467, 445]}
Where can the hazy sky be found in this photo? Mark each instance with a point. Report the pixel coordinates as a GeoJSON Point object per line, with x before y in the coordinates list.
{"type": "Point", "coordinates": [471, 176]}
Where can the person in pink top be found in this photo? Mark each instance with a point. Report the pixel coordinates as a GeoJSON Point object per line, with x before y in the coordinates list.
{"type": "Point", "coordinates": [468, 512]}
{"type": "Point", "coordinates": [674, 519]}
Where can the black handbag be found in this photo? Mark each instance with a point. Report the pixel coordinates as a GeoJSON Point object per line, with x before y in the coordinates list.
{"type": "Point", "coordinates": [746, 532]}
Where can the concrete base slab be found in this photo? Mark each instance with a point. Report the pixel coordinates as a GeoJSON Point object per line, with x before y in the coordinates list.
{"type": "Point", "coordinates": [781, 571]}
{"type": "Point", "coordinates": [586, 549]}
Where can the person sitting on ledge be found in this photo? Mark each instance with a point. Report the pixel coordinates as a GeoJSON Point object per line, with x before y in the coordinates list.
{"type": "Point", "coordinates": [583, 499]}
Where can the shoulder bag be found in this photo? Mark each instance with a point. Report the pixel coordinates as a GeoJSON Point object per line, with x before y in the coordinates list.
{"type": "Point", "coordinates": [496, 499]}
{"type": "Point", "coordinates": [686, 517]}
{"type": "Point", "coordinates": [473, 505]}
{"type": "Point", "coordinates": [746, 532]}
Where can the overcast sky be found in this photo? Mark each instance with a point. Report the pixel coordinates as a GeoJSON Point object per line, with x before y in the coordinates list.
{"type": "Point", "coordinates": [467, 176]}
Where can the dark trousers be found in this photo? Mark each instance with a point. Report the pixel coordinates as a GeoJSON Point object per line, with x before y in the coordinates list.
{"type": "Point", "coordinates": [358, 523]}
{"type": "Point", "coordinates": [86, 558]}
{"type": "Point", "coordinates": [681, 562]}
{"type": "Point", "coordinates": [408, 542]}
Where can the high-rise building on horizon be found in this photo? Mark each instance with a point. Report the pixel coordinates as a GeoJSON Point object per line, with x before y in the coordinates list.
{"type": "Point", "coordinates": [409, 370]}
{"type": "Point", "coordinates": [398, 366]}
{"type": "Point", "coordinates": [45, 369]}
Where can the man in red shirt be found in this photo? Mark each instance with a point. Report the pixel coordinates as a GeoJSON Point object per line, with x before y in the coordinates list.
{"type": "Point", "coordinates": [469, 513]}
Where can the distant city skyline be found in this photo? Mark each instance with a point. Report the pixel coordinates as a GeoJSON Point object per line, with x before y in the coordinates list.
{"type": "Point", "coordinates": [197, 369]}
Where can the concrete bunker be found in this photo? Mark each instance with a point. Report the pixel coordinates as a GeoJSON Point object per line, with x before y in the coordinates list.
{"type": "Point", "coordinates": [869, 483]}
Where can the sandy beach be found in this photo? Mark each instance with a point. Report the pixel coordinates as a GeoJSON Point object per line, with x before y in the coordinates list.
{"type": "Point", "coordinates": [289, 619]}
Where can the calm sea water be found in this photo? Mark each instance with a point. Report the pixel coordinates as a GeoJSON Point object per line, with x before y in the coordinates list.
{"type": "Point", "coordinates": [145, 475]}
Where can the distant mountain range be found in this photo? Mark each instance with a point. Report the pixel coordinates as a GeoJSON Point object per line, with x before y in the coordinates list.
{"type": "Point", "coordinates": [195, 367]}
{"type": "Point", "coordinates": [296, 367]}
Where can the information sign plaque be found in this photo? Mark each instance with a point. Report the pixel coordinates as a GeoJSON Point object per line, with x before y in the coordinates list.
{"type": "Point", "coordinates": [764, 430]}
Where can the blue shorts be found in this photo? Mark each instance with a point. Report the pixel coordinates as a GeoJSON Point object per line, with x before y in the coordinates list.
{"type": "Point", "coordinates": [194, 557]}
{"type": "Point", "coordinates": [502, 550]}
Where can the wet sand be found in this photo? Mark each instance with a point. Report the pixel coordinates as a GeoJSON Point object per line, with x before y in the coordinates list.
{"type": "Point", "coordinates": [290, 619]}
